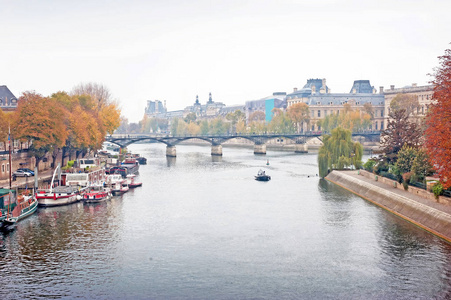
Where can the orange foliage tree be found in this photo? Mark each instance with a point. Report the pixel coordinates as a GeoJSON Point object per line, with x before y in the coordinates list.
{"type": "Point", "coordinates": [40, 121]}
{"type": "Point", "coordinates": [438, 122]}
{"type": "Point", "coordinates": [4, 127]}
{"type": "Point", "coordinates": [299, 114]}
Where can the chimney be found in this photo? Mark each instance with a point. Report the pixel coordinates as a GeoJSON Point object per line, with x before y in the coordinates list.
{"type": "Point", "coordinates": [392, 87]}
{"type": "Point", "coordinates": [313, 89]}
{"type": "Point", "coordinates": [354, 90]}
{"type": "Point", "coordinates": [381, 90]}
{"type": "Point", "coordinates": [295, 89]}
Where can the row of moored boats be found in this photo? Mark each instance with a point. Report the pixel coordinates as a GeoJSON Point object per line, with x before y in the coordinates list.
{"type": "Point", "coordinates": [88, 182]}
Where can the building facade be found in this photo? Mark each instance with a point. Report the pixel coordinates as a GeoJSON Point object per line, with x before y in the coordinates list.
{"type": "Point", "coordinates": [423, 93]}
{"type": "Point", "coordinates": [8, 102]}
{"type": "Point", "coordinates": [204, 111]}
{"type": "Point", "coordinates": [266, 105]}
{"type": "Point", "coordinates": [322, 102]}
{"type": "Point", "coordinates": [155, 108]}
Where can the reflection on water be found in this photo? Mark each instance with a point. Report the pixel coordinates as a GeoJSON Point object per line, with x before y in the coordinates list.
{"type": "Point", "coordinates": [203, 228]}
{"type": "Point", "coordinates": [170, 161]}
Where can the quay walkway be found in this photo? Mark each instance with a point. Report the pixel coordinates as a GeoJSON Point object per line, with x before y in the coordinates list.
{"type": "Point", "coordinates": [22, 182]}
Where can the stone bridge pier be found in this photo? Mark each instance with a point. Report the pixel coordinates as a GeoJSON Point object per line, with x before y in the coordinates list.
{"type": "Point", "coordinates": [216, 150]}
{"type": "Point", "coordinates": [301, 148]}
{"type": "Point", "coordinates": [260, 149]}
{"type": "Point", "coordinates": [171, 151]}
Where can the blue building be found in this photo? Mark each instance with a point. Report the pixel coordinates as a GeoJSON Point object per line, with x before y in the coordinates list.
{"type": "Point", "coordinates": [266, 105]}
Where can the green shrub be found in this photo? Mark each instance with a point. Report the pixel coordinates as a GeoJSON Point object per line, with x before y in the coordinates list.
{"type": "Point", "coordinates": [369, 165]}
{"type": "Point", "coordinates": [437, 189]}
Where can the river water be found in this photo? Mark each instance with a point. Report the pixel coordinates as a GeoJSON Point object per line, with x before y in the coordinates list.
{"type": "Point", "coordinates": [201, 227]}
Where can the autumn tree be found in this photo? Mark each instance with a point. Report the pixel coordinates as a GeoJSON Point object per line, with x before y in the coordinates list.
{"type": "Point", "coordinates": [236, 117]}
{"type": "Point", "coordinates": [4, 126]}
{"type": "Point", "coordinates": [40, 121]}
{"type": "Point", "coordinates": [217, 126]}
{"type": "Point", "coordinates": [353, 120]}
{"type": "Point", "coordinates": [191, 117]}
{"type": "Point", "coordinates": [299, 114]}
{"type": "Point", "coordinates": [193, 128]}
{"type": "Point", "coordinates": [280, 122]}
{"type": "Point", "coordinates": [369, 109]}
{"type": "Point", "coordinates": [438, 122]}
{"type": "Point", "coordinates": [257, 116]}
{"type": "Point", "coordinates": [204, 128]}
{"type": "Point", "coordinates": [405, 101]}
{"type": "Point", "coordinates": [399, 132]}
{"type": "Point", "coordinates": [99, 93]}
{"type": "Point", "coordinates": [110, 117]}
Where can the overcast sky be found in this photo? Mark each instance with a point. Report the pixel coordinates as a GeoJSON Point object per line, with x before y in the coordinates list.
{"type": "Point", "coordinates": [239, 50]}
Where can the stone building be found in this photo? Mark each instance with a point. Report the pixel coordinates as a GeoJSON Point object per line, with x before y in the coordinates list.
{"type": "Point", "coordinates": [424, 94]}
{"type": "Point", "coordinates": [155, 108]}
{"type": "Point", "coordinates": [204, 111]}
{"type": "Point", "coordinates": [8, 102]}
{"type": "Point", "coordinates": [322, 102]}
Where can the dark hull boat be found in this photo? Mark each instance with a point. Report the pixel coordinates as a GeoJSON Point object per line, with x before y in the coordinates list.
{"type": "Point", "coordinates": [261, 176]}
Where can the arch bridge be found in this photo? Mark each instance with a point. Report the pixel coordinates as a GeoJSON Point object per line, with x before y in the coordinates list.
{"type": "Point", "coordinates": [216, 141]}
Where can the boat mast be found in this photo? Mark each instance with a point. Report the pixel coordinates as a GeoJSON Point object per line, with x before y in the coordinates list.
{"type": "Point", "coordinates": [53, 177]}
{"type": "Point", "coordinates": [10, 164]}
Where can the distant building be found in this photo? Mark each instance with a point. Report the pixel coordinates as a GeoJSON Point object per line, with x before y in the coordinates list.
{"type": "Point", "coordinates": [204, 111]}
{"type": "Point", "coordinates": [424, 94]}
{"type": "Point", "coordinates": [8, 102]}
{"type": "Point", "coordinates": [322, 102]}
{"type": "Point", "coordinates": [266, 105]}
{"type": "Point", "coordinates": [155, 108]}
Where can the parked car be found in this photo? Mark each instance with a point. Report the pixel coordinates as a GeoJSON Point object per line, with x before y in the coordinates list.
{"type": "Point", "coordinates": [21, 173]}
{"type": "Point", "coordinates": [27, 170]}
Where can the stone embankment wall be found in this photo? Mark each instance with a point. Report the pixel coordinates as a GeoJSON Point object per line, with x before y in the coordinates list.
{"type": "Point", "coordinates": [413, 190]}
{"type": "Point", "coordinates": [431, 219]}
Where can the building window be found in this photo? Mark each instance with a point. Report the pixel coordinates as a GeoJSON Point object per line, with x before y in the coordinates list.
{"type": "Point", "coordinates": [313, 127]}
{"type": "Point", "coordinates": [319, 113]}
{"type": "Point", "coordinates": [376, 125]}
{"type": "Point", "coordinates": [3, 168]}
{"type": "Point", "coordinates": [382, 125]}
{"type": "Point", "coordinates": [7, 167]}
{"type": "Point", "coordinates": [382, 114]}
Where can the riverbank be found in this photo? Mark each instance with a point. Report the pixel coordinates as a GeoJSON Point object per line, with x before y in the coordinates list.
{"type": "Point", "coordinates": [430, 215]}
{"type": "Point", "coordinates": [27, 182]}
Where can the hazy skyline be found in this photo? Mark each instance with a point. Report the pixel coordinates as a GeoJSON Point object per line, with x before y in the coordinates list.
{"type": "Point", "coordinates": [237, 50]}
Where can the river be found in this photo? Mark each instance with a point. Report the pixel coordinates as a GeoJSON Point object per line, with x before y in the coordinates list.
{"type": "Point", "coordinates": [201, 227]}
